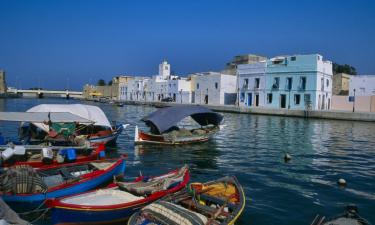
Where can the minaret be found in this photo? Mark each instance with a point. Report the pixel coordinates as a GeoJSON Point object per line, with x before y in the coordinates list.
{"type": "Point", "coordinates": [164, 69]}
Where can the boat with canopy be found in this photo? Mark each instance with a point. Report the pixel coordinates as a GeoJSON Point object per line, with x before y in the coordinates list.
{"type": "Point", "coordinates": [45, 154]}
{"type": "Point", "coordinates": [163, 126]}
{"type": "Point", "coordinates": [90, 123]}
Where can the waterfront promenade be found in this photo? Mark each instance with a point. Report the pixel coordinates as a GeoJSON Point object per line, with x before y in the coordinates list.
{"type": "Point", "coordinates": [316, 114]}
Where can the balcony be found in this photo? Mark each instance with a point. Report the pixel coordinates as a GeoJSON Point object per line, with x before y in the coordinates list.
{"type": "Point", "coordinates": [275, 87]}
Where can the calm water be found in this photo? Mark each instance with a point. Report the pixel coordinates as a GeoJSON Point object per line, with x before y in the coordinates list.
{"type": "Point", "coordinates": [252, 148]}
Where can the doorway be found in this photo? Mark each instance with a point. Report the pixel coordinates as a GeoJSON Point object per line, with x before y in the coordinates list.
{"type": "Point", "coordinates": [206, 99]}
{"type": "Point", "coordinates": [283, 101]}
{"type": "Point", "coordinates": [249, 99]}
{"type": "Point", "coordinates": [257, 100]}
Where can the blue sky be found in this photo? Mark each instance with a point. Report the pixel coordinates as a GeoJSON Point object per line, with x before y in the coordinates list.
{"type": "Point", "coordinates": [55, 44]}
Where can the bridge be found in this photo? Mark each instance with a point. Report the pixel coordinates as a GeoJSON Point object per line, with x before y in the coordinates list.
{"type": "Point", "coordinates": [40, 93]}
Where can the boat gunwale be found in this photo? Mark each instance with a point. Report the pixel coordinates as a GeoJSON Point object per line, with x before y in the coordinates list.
{"type": "Point", "coordinates": [95, 174]}
{"type": "Point", "coordinates": [56, 203]}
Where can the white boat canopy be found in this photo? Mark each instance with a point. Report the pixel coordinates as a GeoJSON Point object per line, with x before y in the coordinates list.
{"type": "Point", "coordinates": [43, 117]}
{"type": "Point", "coordinates": [89, 112]}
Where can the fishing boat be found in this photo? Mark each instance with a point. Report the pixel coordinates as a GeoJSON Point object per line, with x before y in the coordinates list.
{"type": "Point", "coordinates": [349, 217]}
{"type": "Point", "coordinates": [29, 187]}
{"type": "Point", "coordinates": [45, 156]}
{"type": "Point", "coordinates": [99, 130]}
{"type": "Point", "coordinates": [164, 130]}
{"type": "Point", "coordinates": [216, 202]}
{"type": "Point", "coordinates": [117, 202]}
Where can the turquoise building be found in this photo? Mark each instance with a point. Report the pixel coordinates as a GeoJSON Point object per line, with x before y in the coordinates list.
{"type": "Point", "coordinates": [298, 82]}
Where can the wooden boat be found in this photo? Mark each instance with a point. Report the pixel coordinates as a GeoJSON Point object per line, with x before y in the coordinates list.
{"type": "Point", "coordinates": [96, 128]}
{"type": "Point", "coordinates": [349, 217]}
{"type": "Point", "coordinates": [164, 130]}
{"type": "Point", "coordinates": [47, 156]}
{"type": "Point", "coordinates": [117, 202]}
{"type": "Point", "coordinates": [29, 187]}
{"type": "Point", "coordinates": [216, 202]}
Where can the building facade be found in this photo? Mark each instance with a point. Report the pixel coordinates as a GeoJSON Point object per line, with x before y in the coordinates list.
{"type": "Point", "coordinates": [251, 84]}
{"type": "Point", "coordinates": [341, 84]}
{"type": "Point", "coordinates": [364, 85]}
{"type": "Point", "coordinates": [213, 88]}
{"type": "Point", "coordinates": [299, 82]}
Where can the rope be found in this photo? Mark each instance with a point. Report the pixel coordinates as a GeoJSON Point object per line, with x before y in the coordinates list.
{"type": "Point", "coordinates": [40, 216]}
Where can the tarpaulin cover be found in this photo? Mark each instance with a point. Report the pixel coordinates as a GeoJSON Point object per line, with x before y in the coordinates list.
{"type": "Point", "coordinates": [92, 113]}
{"type": "Point", "coordinates": [165, 118]}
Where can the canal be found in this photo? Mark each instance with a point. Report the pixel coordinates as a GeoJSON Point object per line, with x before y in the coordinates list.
{"type": "Point", "coordinates": [252, 147]}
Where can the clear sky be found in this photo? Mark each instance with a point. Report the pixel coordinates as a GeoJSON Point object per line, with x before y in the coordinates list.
{"type": "Point", "coordinates": [55, 43]}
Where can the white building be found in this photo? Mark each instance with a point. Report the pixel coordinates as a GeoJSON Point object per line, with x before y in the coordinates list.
{"type": "Point", "coordinates": [179, 90]}
{"type": "Point", "coordinates": [157, 87]}
{"type": "Point", "coordinates": [252, 84]}
{"type": "Point", "coordinates": [213, 88]}
{"type": "Point", "coordinates": [364, 85]}
{"type": "Point", "coordinates": [134, 89]}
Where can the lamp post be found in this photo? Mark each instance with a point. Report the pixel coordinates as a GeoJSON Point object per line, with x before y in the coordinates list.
{"type": "Point", "coordinates": [354, 100]}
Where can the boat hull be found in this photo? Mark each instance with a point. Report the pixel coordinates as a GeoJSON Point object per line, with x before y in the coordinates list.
{"type": "Point", "coordinates": [69, 216]}
{"type": "Point", "coordinates": [108, 140]}
{"type": "Point", "coordinates": [146, 138]}
{"type": "Point", "coordinates": [94, 155]}
{"type": "Point", "coordinates": [32, 200]}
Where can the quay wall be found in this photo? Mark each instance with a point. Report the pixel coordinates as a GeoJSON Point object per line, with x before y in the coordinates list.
{"type": "Point", "coordinates": [316, 114]}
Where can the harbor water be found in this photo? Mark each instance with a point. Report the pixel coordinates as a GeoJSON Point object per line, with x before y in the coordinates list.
{"type": "Point", "coordinates": [252, 147]}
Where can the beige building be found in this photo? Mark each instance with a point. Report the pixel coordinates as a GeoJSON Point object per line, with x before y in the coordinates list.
{"type": "Point", "coordinates": [107, 91]}
{"type": "Point", "coordinates": [231, 67]}
{"type": "Point", "coordinates": [116, 83]}
{"type": "Point", "coordinates": [341, 84]}
{"type": "Point", "coordinates": [3, 85]}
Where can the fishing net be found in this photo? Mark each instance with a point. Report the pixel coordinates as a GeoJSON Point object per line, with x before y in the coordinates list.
{"type": "Point", "coordinates": [22, 179]}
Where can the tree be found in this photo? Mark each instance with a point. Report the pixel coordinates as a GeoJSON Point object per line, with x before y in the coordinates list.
{"type": "Point", "coordinates": [101, 82]}
{"type": "Point", "coordinates": [348, 69]}
{"type": "Point", "coordinates": [110, 82]}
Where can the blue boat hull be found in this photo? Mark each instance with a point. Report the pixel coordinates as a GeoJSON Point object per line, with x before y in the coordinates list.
{"type": "Point", "coordinates": [69, 216]}
{"type": "Point", "coordinates": [29, 201]}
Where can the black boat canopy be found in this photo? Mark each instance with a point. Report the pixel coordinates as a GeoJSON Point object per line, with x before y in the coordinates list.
{"type": "Point", "coordinates": [165, 118]}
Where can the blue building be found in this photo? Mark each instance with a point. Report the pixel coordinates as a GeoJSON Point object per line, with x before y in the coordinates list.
{"type": "Point", "coordinates": [298, 82]}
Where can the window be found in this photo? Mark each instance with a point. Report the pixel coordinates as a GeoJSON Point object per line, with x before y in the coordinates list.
{"type": "Point", "coordinates": [276, 82]}
{"type": "Point", "coordinates": [322, 84]}
{"type": "Point", "coordinates": [216, 85]}
{"type": "Point", "coordinates": [197, 85]}
{"type": "Point", "coordinates": [257, 82]}
{"type": "Point", "coordinates": [307, 99]}
{"type": "Point", "coordinates": [327, 83]}
{"type": "Point", "coordinates": [297, 99]}
{"type": "Point", "coordinates": [269, 98]}
{"type": "Point", "coordinates": [246, 83]}
{"type": "Point", "coordinates": [242, 96]}
{"type": "Point", "coordinates": [293, 58]}
{"type": "Point", "coordinates": [289, 82]}
{"type": "Point", "coordinates": [302, 85]}
{"type": "Point", "coordinates": [166, 67]}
